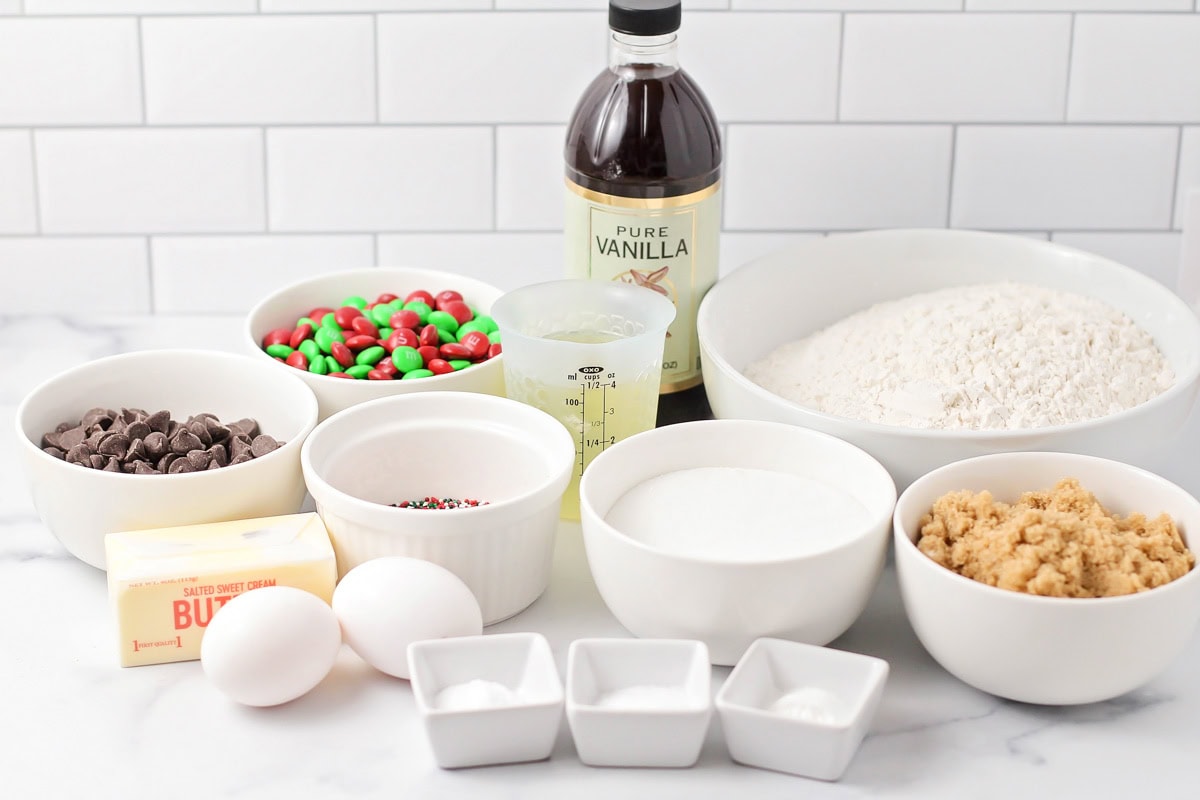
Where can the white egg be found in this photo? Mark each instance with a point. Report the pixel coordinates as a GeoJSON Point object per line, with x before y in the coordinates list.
{"type": "Point", "coordinates": [270, 645]}
{"type": "Point", "coordinates": [385, 603]}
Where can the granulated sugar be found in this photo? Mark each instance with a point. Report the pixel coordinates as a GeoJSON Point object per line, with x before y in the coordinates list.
{"type": "Point", "coordinates": [988, 357]}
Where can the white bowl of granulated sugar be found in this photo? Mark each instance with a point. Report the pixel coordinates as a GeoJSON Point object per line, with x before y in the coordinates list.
{"type": "Point", "coordinates": [924, 347]}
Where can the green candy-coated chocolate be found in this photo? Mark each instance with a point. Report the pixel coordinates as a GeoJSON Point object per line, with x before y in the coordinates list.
{"type": "Point", "coordinates": [354, 300]}
{"type": "Point", "coordinates": [485, 323]}
{"type": "Point", "coordinates": [358, 371]}
{"type": "Point", "coordinates": [279, 350]}
{"type": "Point", "coordinates": [423, 310]}
{"type": "Point", "coordinates": [417, 373]}
{"type": "Point", "coordinates": [330, 321]}
{"type": "Point", "coordinates": [443, 321]}
{"type": "Point", "coordinates": [310, 349]}
{"type": "Point", "coordinates": [384, 332]}
{"type": "Point", "coordinates": [460, 363]}
{"type": "Point", "coordinates": [325, 337]}
{"type": "Point", "coordinates": [371, 356]}
{"type": "Point", "coordinates": [317, 366]}
{"type": "Point", "coordinates": [494, 337]}
{"type": "Point", "coordinates": [331, 364]}
{"type": "Point", "coordinates": [309, 321]}
{"type": "Point", "coordinates": [407, 358]}
{"type": "Point", "coordinates": [380, 314]}
{"type": "Point", "coordinates": [445, 336]}
{"type": "Point", "coordinates": [466, 328]}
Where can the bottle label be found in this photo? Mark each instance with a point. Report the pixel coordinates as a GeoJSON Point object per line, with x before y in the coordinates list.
{"type": "Point", "coordinates": [668, 245]}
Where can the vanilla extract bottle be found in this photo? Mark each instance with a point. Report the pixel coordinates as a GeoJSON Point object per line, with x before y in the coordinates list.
{"type": "Point", "coordinates": [643, 196]}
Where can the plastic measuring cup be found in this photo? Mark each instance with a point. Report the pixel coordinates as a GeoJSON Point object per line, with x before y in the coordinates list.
{"type": "Point", "coordinates": [588, 353]}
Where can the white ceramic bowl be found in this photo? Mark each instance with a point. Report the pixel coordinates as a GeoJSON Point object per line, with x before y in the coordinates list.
{"type": "Point", "coordinates": [796, 292]}
{"type": "Point", "coordinates": [81, 505]}
{"type": "Point", "coordinates": [728, 604]}
{"type": "Point", "coordinates": [445, 444]}
{"type": "Point", "coordinates": [1050, 650]}
{"type": "Point", "coordinates": [284, 307]}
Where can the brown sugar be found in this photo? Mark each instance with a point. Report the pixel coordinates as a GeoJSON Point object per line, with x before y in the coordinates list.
{"type": "Point", "coordinates": [1060, 543]}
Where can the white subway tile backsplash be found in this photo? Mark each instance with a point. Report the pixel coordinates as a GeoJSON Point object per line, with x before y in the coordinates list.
{"type": "Point", "coordinates": [738, 249]}
{"type": "Point", "coordinates": [18, 209]}
{"type": "Point", "coordinates": [529, 177]}
{"type": "Point", "coordinates": [380, 179]}
{"type": "Point", "coordinates": [764, 67]}
{"type": "Point", "coordinates": [1153, 254]}
{"type": "Point", "coordinates": [373, 5]}
{"type": "Point", "coordinates": [1059, 177]}
{"type": "Point", "coordinates": [446, 68]}
{"type": "Point", "coordinates": [505, 260]}
{"type": "Point", "coordinates": [1136, 68]}
{"type": "Point", "coordinates": [10, 6]}
{"type": "Point", "coordinates": [68, 71]}
{"type": "Point", "coordinates": [592, 5]}
{"type": "Point", "coordinates": [1189, 171]}
{"type": "Point", "coordinates": [836, 177]}
{"type": "Point", "coordinates": [259, 69]}
{"type": "Point", "coordinates": [954, 67]}
{"type": "Point", "coordinates": [96, 275]}
{"type": "Point", "coordinates": [140, 6]}
{"type": "Point", "coordinates": [229, 274]}
{"type": "Point", "coordinates": [148, 181]}
{"type": "Point", "coordinates": [847, 5]}
{"type": "Point", "coordinates": [1079, 5]}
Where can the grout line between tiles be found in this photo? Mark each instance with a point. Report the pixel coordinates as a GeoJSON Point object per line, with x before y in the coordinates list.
{"type": "Point", "coordinates": [37, 188]}
{"type": "Point", "coordinates": [950, 182]}
{"type": "Point", "coordinates": [837, 97]}
{"type": "Point", "coordinates": [141, 69]}
{"type": "Point", "coordinates": [437, 125]}
{"type": "Point", "coordinates": [150, 275]}
{"type": "Point", "coordinates": [1070, 67]}
{"type": "Point", "coordinates": [1176, 188]}
{"type": "Point", "coordinates": [495, 177]}
{"type": "Point", "coordinates": [375, 73]}
{"type": "Point", "coordinates": [266, 181]}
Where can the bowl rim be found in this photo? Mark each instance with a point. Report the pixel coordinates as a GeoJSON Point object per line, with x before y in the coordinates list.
{"type": "Point", "coordinates": [864, 532]}
{"type": "Point", "coordinates": [440, 398]}
{"type": "Point", "coordinates": [303, 394]}
{"type": "Point", "coordinates": [1183, 382]}
{"type": "Point", "coordinates": [913, 555]}
{"type": "Point", "coordinates": [248, 321]}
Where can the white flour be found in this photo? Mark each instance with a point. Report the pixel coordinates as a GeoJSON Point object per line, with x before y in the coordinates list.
{"type": "Point", "coordinates": [993, 356]}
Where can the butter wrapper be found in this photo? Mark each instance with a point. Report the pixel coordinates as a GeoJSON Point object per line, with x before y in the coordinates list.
{"type": "Point", "coordinates": [166, 584]}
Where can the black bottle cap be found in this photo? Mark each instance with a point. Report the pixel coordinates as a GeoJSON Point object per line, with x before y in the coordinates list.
{"type": "Point", "coordinates": [644, 17]}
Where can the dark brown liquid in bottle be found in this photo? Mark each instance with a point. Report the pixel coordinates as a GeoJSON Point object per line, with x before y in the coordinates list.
{"type": "Point", "coordinates": [643, 131]}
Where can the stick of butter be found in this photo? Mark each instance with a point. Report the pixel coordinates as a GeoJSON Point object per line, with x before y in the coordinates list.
{"type": "Point", "coordinates": [165, 584]}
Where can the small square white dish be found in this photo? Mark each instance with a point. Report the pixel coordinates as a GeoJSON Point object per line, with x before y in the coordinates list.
{"type": "Point", "coordinates": [799, 708]}
{"type": "Point", "coordinates": [638, 702]}
{"type": "Point", "coordinates": [491, 699]}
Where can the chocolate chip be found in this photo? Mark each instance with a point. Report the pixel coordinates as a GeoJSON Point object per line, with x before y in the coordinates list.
{"type": "Point", "coordinates": [180, 466]}
{"type": "Point", "coordinates": [94, 415]}
{"type": "Point", "coordinates": [71, 438]}
{"type": "Point", "coordinates": [136, 451]}
{"type": "Point", "coordinates": [262, 445]}
{"type": "Point", "coordinates": [117, 444]}
{"type": "Point", "coordinates": [198, 429]}
{"type": "Point", "coordinates": [158, 421]}
{"type": "Point", "coordinates": [54, 451]}
{"type": "Point", "coordinates": [97, 461]}
{"type": "Point", "coordinates": [94, 439]}
{"type": "Point", "coordinates": [156, 444]}
{"type": "Point", "coordinates": [138, 430]}
{"type": "Point", "coordinates": [219, 455]}
{"type": "Point", "coordinates": [216, 430]}
{"type": "Point", "coordinates": [239, 446]}
{"type": "Point", "coordinates": [166, 461]}
{"type": "Point", "coordinates": [199, 459]}
{"type": "Point", "coordinates": [246, 426]}
{"type": "Point", "coordinates": [241, 459]}
{"type": "Point", "coordinates": [63, 426]}
{"type": "Point", "coordinates": [142, 468]}
{"type": "Point", "coordinates": [52, 439]}
{"type": "Point", "coordinates": [79, 454]}
{"type": "Point", "coordinates": [184, 441]}
{"type": "Point", "coordinates": [113, 465]}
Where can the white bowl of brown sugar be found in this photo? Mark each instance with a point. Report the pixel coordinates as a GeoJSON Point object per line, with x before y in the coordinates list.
{"type": "Point", "coordinates": [1049, 578]}
{"type": "Point", "coordinates": [924, 347]}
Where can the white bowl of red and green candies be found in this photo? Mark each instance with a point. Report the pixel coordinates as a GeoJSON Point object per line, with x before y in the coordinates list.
{"type": "Point", "coordinates": [363, 334]}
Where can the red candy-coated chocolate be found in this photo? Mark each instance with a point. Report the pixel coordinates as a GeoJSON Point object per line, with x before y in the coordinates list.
{"type": "Point", "coordinates": [342, 354]}
{"type": "Point", "coordinates": [459, 310]}
{"type": "Point", "coordinates": [428, 352]}
{"type": "Point", "coordinates": [387, 297]}
{"type": "Point", "coordinates": [362, 325]}
{"type": "Point", "coordinates": [477, 342]}
{"type": "Point", "coordinates": [277, 336]}
{"type": "Point", "coordinates": [318, 314]}
{"type": "Point", "coordinates": [447, 296]}
{"type": "Point", "coordinates": [454, 350]}
{"type": "Point", "coordinates": [430, 336]}
{"type": "Point", "coordinates": [378, 375]}
{"type": "Point", "coordinates": [422, 295]}
{"type": "Point", "coordinates": [340, 375]}
{"type": "Point", "coordinates": [345, 315]}
{"type": "Point", "coordinates": [402, 337]}
{"type": "Point", "coordinates": [386, 366]}
{"type": "Point", "coordinates": [360, 342]}
{"type": "Point", "coordinates": [439, 366]}
{"type": "Point", "coordinates": [404, 318]}
{"type": "Point", "coordinates": [297, 360]}
{"type": "Point", "coordinates": [495, 350]}
{"type": "Point", "coordinates": [299, 335]}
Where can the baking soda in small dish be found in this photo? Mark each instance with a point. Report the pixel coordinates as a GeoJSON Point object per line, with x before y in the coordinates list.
{"type": "Point", "coordinates": [738, 514]}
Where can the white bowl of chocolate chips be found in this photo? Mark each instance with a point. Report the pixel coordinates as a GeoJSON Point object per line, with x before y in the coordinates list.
{"type": "Point", "coordinates": [160, 438]}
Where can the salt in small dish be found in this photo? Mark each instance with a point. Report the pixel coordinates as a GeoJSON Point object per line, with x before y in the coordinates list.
{"type": "Point", "coordinates": [638, 702]}
{"type": "Point", "coordinates": [799, 708]}
{"type": "Point", "coordinates": [487, 699]}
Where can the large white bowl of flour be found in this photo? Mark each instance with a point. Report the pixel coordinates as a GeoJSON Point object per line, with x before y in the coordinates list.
{"type": "Point", "coordinates": [924, 347]}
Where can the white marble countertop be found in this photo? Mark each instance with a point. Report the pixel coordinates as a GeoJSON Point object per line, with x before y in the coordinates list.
{"type": "Point", "coordinates": [77, 725]}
